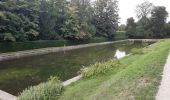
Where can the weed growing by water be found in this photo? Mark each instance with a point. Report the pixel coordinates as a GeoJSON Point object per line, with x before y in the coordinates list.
{"type": "Point", "coordinates": [99, 68]}
{"type": "Point", "coordinates": [50, 90]}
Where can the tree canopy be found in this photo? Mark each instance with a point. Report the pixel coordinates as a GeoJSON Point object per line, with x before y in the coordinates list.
{"type": "Point", "coordinates": [144, 9]}
{"type": "Point", "coordinates": [28, 20]}
{"type": "Point", "coordinates": [153, 26]}
{"type": "Point", "coordinates": [158, 20]}
{"type": "Point", "coordinates": [106, 17]}
{"type": "Point", "coordinates": [131, 27]}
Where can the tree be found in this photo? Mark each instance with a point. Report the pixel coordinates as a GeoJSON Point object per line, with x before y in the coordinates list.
{"type": "Point", "coordinates": [47, 19]}
{"type": "Point", "coordinates": [143, 28]}
{"type": "Point", "coordinates": [144, 9]}
{"type": "Point", "coordinates": [122, 27]}
{"type": "Point", "coordinates": [71, 25]}
{"type": "Point", "coordinates": [29, 20]}
{"type": "Point", "coordinates": [19, 20]}
{"type": "Point", "coordinates": [131, 28]}
{"type": "Point", "coordinates": [158, 20]}
{"type": "Point", "coordinates": [106, 17]}
{"type": "Point", "coordinates": [85, 15]}
{"type": "Point", "coordinates": [167, 28]}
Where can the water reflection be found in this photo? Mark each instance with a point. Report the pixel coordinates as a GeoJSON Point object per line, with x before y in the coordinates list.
{"type": "Point", "coordinates": [120, 54]}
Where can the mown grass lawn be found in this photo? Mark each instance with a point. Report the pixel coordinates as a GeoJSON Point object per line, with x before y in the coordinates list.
{"type": "Point", "coordinates": [137, 78]}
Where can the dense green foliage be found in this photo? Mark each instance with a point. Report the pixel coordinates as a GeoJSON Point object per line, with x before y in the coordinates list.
{"type": "Point", "coordinates": [50, 90]}
{"type": "Point", "coordinates": [120, 35]}
{"type": "Point", "coordinates": [151, 22]}
{"type": "Point", "coordinates": [98, 68]}
{"type": "Point", "coordinates": [136, 78]}
{"type": "Point", "coordinates": [158, 21]}
{"type": "Point", "coordinates": [28, 20]}
{"type": "Point", "coordinates": [131, 27]}
{"type": "Point", "coordinates": [167, 27]}
{"type": "Point", "coordinates": [143, 28]}
{"type": "Point", "coordinates": [122, 27]}
{"type": "Point", "coordinates": [106, 17]}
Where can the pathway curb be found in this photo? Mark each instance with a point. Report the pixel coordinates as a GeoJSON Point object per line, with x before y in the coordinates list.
{"type": "Point", "coordinates": [164, 88]}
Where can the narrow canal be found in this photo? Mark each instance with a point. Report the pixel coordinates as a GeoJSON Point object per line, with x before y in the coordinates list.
{"type": "Point", "coordinates": [18, 74]}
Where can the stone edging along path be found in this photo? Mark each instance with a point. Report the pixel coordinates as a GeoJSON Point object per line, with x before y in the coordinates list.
{"type": "Point", "coordinates": [27, 53]}
{"type": "Point", "coordinates": [164, 89]}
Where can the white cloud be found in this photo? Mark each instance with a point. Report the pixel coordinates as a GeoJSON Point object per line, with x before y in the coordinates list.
{"type": "Point", "coordinates": [127, 7]}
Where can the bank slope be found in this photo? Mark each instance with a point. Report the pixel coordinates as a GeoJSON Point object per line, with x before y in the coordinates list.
{"type": "Point", "coordinates": [137, 78]}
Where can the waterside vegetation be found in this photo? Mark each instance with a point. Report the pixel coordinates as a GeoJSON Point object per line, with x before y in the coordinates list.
{"type": "Point", "coordinates": [136, 76]}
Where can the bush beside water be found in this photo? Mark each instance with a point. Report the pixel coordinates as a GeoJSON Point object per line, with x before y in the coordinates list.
{"type": "Point", "coordinates": [99, 68]}
{"type": "Point", "coordinates": [50, 90]}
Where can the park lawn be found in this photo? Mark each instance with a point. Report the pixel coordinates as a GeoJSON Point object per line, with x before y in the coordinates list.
{"type": "Point", "coordinates": [137, 78]}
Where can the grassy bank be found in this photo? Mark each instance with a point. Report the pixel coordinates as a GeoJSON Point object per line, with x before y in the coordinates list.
{"type": "Point", "coordinates": [136, 78]}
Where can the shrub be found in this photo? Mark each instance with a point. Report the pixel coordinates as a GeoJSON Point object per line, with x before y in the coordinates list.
{"type": "Point", "coordinates": [50, 90]}
{"type": "Point", "coordinates": [99, 68]}
{"type": "Point", "coordinates": [137, 51]}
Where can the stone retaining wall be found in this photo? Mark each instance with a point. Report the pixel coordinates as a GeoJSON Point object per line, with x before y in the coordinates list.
{"type": "Point", "coordinates": [27, 53]}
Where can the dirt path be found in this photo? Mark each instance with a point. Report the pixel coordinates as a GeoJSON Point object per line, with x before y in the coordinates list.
{"type": "Point", "coordinates": [164, 89]}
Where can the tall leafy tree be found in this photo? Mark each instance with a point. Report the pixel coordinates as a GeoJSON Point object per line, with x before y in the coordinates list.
{"type": "Point", "coordinates": [106, 17]}
{"type": "Point", "coordinates": [143, 28]}
{"type": "Point", "coordinates": [47, 19]}
{"type": "Point", "coordinates": [52, 17]}
{"type": "Point", "coordinates": [158, 21]}
{"type": "Point", "coordinates": [167, 28]}
{"type": "Point", "coordinates": [131, 27]}
{"type": "Point", "coordinates": [144, 9]}
{"type": "Point", "coordinates": [18, 20]}
{"type": "Point", "coordinates": [85, 14]}
{"type": "Point", "coordinates": [71, 25]}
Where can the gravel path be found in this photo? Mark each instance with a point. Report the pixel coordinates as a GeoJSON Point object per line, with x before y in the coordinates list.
{"type": "Point", "coordinates": [6, 96]}
{"type": "Point", "coordinates": [164, 89]}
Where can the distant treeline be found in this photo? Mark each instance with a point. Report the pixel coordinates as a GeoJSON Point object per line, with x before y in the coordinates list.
{"type": "Point", "coordinates": [151, 22]}
{"type": "Point", "coordinates": [29, 20]}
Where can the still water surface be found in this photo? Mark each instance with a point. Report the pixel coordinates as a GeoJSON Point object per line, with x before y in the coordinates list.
{"type": "Point", "coordinates": [18, 74]}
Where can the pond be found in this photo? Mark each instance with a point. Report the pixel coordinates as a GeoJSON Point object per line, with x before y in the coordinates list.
{"type": "Point", "coordinates": [18, 74]}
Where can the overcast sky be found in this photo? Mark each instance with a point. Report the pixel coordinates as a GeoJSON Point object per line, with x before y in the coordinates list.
{"type": "Point", "coordinates": [127, 8]}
